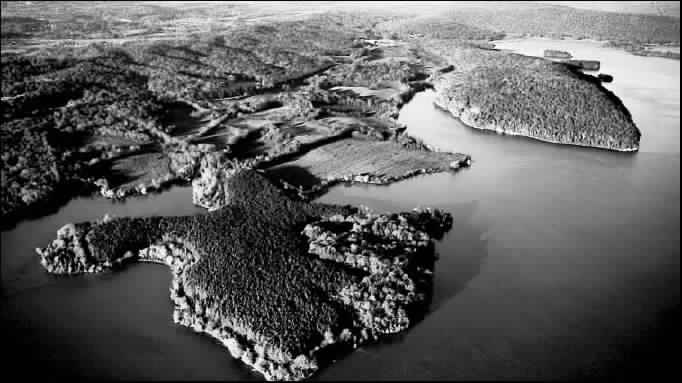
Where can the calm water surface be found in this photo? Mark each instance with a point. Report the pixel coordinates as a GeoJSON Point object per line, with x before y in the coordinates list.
{"type": "Point", "coordinates": [111, 325]}
{"type": "Point", "coordinates": [562, 262]}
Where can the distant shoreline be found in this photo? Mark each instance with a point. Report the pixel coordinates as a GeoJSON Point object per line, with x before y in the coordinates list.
{"type": "Point", "coordinates": [640, 51]}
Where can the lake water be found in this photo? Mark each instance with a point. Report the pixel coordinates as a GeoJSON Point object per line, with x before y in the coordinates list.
{"type": "Point", "coordinates": [562, 261]}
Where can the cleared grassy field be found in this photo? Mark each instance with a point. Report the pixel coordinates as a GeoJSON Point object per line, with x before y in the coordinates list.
{"type": "Point", "coordinates": [361, 91]}
{"type": "Point", "coordinates": [141, 169]}
{"type": "Point", "coordinates": [359, 159]}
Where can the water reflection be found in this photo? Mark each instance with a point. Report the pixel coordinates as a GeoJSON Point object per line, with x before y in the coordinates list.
{"type": "Point", "coordinates": [461, 254]}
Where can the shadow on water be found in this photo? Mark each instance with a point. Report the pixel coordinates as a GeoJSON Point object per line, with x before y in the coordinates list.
{"type": "Point", "coordinates": [55, 351]}
{"type": "Point", "coordinates": [58, 198]}
{"type": "Point", "coordinates": [181, 116]}
{"type": "Point", "coordinates": [461, 253]}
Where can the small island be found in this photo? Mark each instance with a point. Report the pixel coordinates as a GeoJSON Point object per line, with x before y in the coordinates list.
{"type": "Point", "coordinates": [588, 65]}
{"type": "Point", "coordinates": [556, 54]}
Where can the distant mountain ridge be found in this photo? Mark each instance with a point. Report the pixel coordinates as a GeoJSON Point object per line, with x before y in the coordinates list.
{"type": "Point", "coordinates": [658, 8]}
